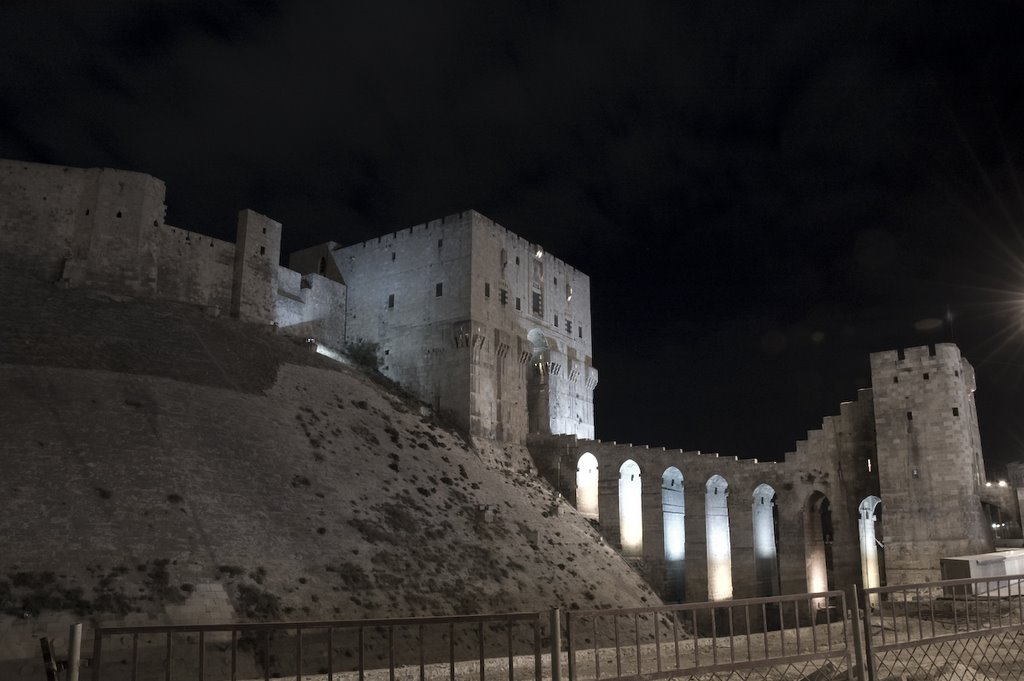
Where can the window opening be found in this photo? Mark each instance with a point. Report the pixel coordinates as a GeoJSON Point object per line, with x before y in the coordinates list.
{"type": "Point", "coordinates": [537, 303]}
{"type": "Point", "coordinates": [437, 290]}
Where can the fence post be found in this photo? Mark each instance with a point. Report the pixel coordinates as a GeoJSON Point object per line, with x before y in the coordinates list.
{"type": "Point", "coordinates": [556, 644]}
{"type": "Point", "coordinates": [49, 663]}
{"type": "Point", "coordinates": [858, 643]}
{"type": "Point", "coordinates": [74, 650]}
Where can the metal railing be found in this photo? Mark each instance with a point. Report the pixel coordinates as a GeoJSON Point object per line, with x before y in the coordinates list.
{"type": "Point", "coordinates": [458, 647]}
{"type": "Point", "coordinates": [804, 635]}
{"type": "Point", "coordinates": [953, 629]}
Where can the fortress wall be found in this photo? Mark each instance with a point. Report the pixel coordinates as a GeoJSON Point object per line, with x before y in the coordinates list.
{"type": "Point", "coordinates": [831, 463]}
{"type": "Point", "coordinates": [257, 258]}
{"type": "Point", "coordinates": [104, 229]}
{"type": "Point", "coordinates": [195, 268]}
{"type": "Point", "coordinates": [507, 274]}
{"type": "Point", "coordinates": [90, 227]}
{"type": "Point", "coordinates": [424, 338]}
{"type": "Point", "coordinates": [311, 306]}
{"type": "Point", "coordinates": [929, 459]}
{"type": "Point", "coordinates": [41, 207]}
{"type": "Point", "coordinates": [115, 248]}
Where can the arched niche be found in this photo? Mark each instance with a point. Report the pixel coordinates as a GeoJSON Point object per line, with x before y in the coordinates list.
{"type": "Point", "coordinates": [674, 516]}
{"type": "Point", "coordinates": [818, 542]}
{"type": "Point", "coordinates": [765, 520]}
{"type": "Point", "coordinates": [871, 553]}
{"type": "Point", "coordinates": [631, 525]}
{"type": "Point", "coordinates": [719, 541]}
{"type": "Point", "coordinates": [586, 486]}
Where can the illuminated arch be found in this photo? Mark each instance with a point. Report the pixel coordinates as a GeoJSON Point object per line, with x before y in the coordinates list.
{"type": "Point", "coordinates": [818, 542]}
{"type": "Point", "coordinates": [719, 543]}
{"type": "Point", "coordinates": [586, 486]}
{"type": "Point", "coordinates": [674, 516]}
{"type": "Point", "coordinates": [631, 525]}
{"type": "Point", "coordinates": [766, 532]}
{"type": "Point", "coordinates": [871, 554]}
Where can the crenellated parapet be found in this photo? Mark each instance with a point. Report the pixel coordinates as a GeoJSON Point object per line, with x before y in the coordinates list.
{"type": "Point", "coordinates": [104, 229]}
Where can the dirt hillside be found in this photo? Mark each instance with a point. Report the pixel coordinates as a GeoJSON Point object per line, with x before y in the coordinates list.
{"type": "Point", "coordinates": [161, 465]}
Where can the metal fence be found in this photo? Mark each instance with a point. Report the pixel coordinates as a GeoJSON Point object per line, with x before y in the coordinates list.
{"type": "Point", "coordinates": [956, 630]}
{"type": "Point", "coordinates": [963, 629]}
{"type": "Point", "coordinates": [478, 647]}
{"type": "Point", "coordinates": [803, 636]}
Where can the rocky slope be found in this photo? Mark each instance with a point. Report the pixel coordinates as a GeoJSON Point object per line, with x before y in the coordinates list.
{"type": "Point", "coordinates": [160, 465]}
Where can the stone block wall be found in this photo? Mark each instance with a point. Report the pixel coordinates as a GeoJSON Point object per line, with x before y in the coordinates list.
{"type": "Point", "coordinates": [89, 227]}
{"type": "Point", "coordinates": [928, 455]}
{"type": "Point", "coordinates": [785, 552]}
{"type": "Point", "coordinates": [408, 291]}
{"type": "Point", "coordinates": [450, 304]}
{"type": "Point", "coordinates": [257, 254]}
{"type": "Point", "coordinates": [104, 229]}
{"type": "Point", "coordinates": [311, 306]}
{"type": "Point", "coordinates": [197, 268]}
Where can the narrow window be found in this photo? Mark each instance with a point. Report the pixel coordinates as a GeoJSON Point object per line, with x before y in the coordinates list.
{"type": "Point", "coordinates": [437, 290]}
{"type": "Point", "coordinates": [556, 321]}
{"type": "Point", "coordinates": [956, 411]}
{"type": "Point", "coordinates": [503, 296]}
{"type": "Point", "coordinates": [926, 376]}
{"type": "Point", "coordinates": [895, 379]}
{"type": "Point", "coordinates": [321, 268]}
{"type": "Point", "coordinates": [440, 242]}
{"type": "Point", "coordinates": [392, 255]}
{"type": "Point", "coordinates": [118, 213]}
{"type": "Point", "coordinates": [556, 281]}
{"type": "Point", "coordinates": [263, 250]}
{"type": "Point", "coordinates": [517, 259]}
{"type": "Point", "coordinates": [568, 327]}
{"type": "Point", "coordinates": [391, 300]}
{"type": "Point", "coordinates": [931, 349]}
{"type": "Point", "coordinates": [264, 230]}
{"type": "Point", "coordinates": [519, 305]}
{"type": "Point", "coordinates": [538, 304]}
{"type": "Point", "coordinates": [487, 290]}
{"type": "Point", "coordinates": [910, 416]}
{"type": "Point", "coordinates": [899, 354]}
{"type": "Point", "coordinates": [580, 330]}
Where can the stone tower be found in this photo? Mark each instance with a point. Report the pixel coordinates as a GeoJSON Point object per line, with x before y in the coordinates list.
{"type": "Point", "coordinates": [929, 459]}
{"type": "Point", "coordinates": [484, 325]}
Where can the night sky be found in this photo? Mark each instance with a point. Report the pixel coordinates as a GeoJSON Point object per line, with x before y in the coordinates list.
{"type": "Point", "coordinates": [762, 193]}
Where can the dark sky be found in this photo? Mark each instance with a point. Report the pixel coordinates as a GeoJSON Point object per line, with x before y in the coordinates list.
{"type": "Point", "coordinates": [762, 193]}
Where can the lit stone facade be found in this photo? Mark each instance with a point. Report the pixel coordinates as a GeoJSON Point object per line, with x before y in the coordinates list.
{"type": "Point", "coordinates": [489, 328]}
{"type": "Point", "coordinates": [495, 332]}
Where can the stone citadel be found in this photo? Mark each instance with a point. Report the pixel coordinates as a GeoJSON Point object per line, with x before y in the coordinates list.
{"type": "Point", "coordinates": [495, 333]}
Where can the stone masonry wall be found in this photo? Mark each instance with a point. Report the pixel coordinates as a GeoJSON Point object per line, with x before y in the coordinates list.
{"type": "Point", "coordinates": [104, 229]}
{"type": "Point", "coordinates": [831, 463]}
{"type": "Point", "coordinates": [928, 453]}
{"type": "Point", "coordinates": [507, 273]}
